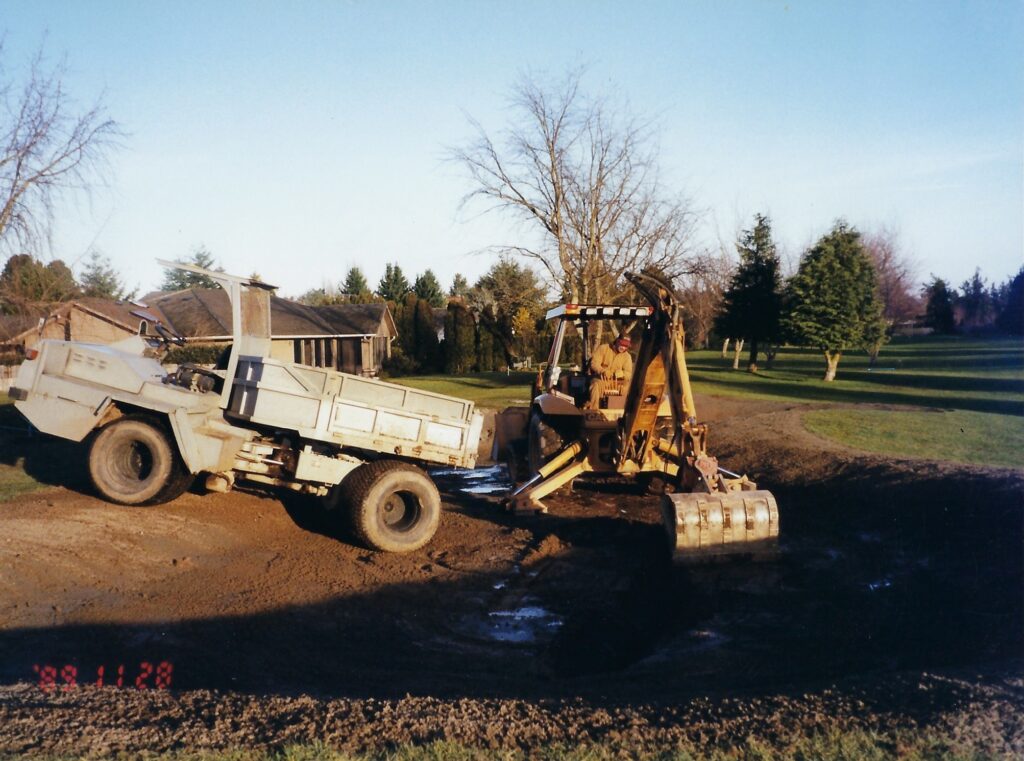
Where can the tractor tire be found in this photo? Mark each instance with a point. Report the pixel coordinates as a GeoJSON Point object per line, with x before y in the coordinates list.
{"type": "Point", "coordinates": [393, 506]}
{"type": "Point", "coordinates": [134, 461]}
{"type": "Point", "coordinates": [543, 442]}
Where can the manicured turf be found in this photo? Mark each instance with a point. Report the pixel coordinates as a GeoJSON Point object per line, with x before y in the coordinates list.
{"type": "Point", "coordinates": [973, 384]}
{"type": "Point", "coordinates": [981, 375]}
{"type": "Point", "coordinates": [980, 438]}
{"type": "Point", "coordinates": [493, 390]}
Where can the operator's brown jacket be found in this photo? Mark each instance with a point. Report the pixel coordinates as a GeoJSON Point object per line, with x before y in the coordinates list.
{"type": "Point", "coordinates": [607, 362]}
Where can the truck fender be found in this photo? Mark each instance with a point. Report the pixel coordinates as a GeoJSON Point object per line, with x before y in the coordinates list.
{"type": "Point", "coordinates": [184, 436]}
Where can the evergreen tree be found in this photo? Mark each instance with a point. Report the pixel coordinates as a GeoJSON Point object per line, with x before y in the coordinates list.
{"type": "Point", "coordinates": [27, 284]}
{"type": "Point", "coordinates": [833, 298]}
{"type": "Point", "coordinates": [323, 296]}
{"type": "Point", "coordinates": [393, 286]}
{"type": "Point", "coordinates": [460, 286]}
{"type": "Point", "coordinates": [1011, 318]}
{"type": "Point", "coordinates": [427, 287]}
{"type": "Point", "coordinates": [485, 349]}
{"type": "Point", "coordinates": [499, 295]}
{"type": "Point", "coordinates": [179, 280]}
{"type": "Point", "coordinates": [975, 302]}
{"type": "Point", "coordinates": [459, 340]}
{"type": "Point", "coordinates": [99, 279]}
{"type": "Point", "coordinates": [938, 311]}
{"type": "Point", "coordinates": [405, 321]}
{"type": "Point", "coordinates": [752, 302]}
{"type": "Point", "coordinates": [355, 286]}
{"type": "Point", "coordinates": [427, 348]}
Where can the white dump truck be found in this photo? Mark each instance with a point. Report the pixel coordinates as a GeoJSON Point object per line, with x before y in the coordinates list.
{"type": "Point", "coordinates": [358, 443]}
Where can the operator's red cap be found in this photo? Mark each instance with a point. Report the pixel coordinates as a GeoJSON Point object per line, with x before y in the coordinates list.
{"type": "Point", "coordinates": [624, 341]}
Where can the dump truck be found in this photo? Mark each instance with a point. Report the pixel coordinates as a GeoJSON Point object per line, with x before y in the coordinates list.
{"type": "Point", "coordinates": [357, 443]}
{"type": "Point", "coordinates": [645, 429]}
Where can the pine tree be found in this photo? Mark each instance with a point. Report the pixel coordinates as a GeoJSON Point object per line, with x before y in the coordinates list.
{"type": "Point", "coordinates": [179, 280]}
{"type": "Point", "coordinates": [393, 286]}
{"type": "Point", "coordinates": [460, 286]}
{"type": "Point", "coordinates": [975, 301]}
{"type": "Point", "coordinates": [405, 321]}
{"type": "Point", "coordinates": [938, 312]}
{"type": "Point", "coordinates": [1011, 318]}
{"type": "Point", "coordinates": [427, 349]}
{"type": "Point", "coordinates": [100, 280]}
{"type": "Point", "coordinates": [27, 284]}
{"type": "Point", "coordinates": [833, 298]}
{"type": "Point", "coordinates": [427, 287]}
{"type": "Point", "coordinates": [752, 303]}
{"type": "Point", "coordinates": [498, 296]}
{"type": "Point", "coordinates": [355, 286]}
{"type": "Point", "coordinates": [459, 340]}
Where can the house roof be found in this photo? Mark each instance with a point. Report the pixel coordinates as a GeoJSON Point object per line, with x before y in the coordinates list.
{"type": "Point", "coordinates": [359, 319]}
{"type": "Point", "coordinates": [206, 313]}
{"type": "Point", "coordinates": [14, 327]}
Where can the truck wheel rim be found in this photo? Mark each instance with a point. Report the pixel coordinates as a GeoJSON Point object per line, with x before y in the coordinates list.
{"type": "Point", "coordinates": [401, 511]}
{"type": "Point", "coordinates": [135, 463]}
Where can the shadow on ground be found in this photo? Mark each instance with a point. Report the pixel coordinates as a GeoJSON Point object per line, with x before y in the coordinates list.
{"type": "Point", "coordinates": [881, 569]}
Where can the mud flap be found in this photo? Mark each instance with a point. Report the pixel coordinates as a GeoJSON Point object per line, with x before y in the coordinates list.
{"type": "Point", "coordinates": [702, 527]}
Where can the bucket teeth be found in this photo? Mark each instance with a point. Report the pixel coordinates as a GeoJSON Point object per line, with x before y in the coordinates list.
{"type": "Point", "coordinates": [702, 526]}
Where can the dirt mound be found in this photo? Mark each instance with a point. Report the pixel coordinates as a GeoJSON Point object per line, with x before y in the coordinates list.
{"type": "Point", "coordinates": [510, 632]}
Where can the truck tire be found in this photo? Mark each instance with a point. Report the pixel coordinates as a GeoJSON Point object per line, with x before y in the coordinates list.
{"type": "Point", "coordinates": [543, 443]}
{"type": "Point", "coordinates": [133, 461]}
{"type": "Point", "coordinates": [394, 506]}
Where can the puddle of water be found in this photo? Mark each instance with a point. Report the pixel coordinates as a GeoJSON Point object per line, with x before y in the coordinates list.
{"type": "Point", "coordinates": [484, 489]}
{"type": "Point", "coordinates": [523, 625]}
{"type": "Point", "coordinates": [489, 480]}
{"type": "Point", "coordinates": [880, 584]}
{"type": "Point", "coordinates": [703, 639]}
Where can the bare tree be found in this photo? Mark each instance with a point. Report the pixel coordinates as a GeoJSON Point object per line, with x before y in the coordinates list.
{"type": "Point", "coordinates": [585, 178]}
{"type": "Point", "coordinates": [47, 147]}
{"type": "Point", "coordinates": [895, 274]}
{"type": "Point", "coordinates": [702, 292]}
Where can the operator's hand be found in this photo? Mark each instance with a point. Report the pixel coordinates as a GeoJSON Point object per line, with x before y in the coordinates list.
{"type": "Point", "coordinates": [619, 375]}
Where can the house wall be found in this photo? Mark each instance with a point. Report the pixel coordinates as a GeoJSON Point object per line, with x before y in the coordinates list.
{"type": "Point", "coordinates": [75, 326]}
{"type": "Point", "coordinates": [358, 355]}
{"type": "Point", "coordinates": [89, 329]}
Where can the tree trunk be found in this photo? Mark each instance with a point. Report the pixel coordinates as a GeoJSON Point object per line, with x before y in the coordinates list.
{"type": "Point", "coordinates": [752, 362]}
{"type": "Point", "coordinates": [725, 348]}
{"type": "Point", "coordinates": [770, 353]}
{"type": "Point", "coordinates": [833, 362]}
{"type": "Point", "coordinates": [738, 344]}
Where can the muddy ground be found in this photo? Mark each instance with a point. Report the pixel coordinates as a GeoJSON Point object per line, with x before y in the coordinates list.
{"type": "Point", "coordinates": [897, 600]}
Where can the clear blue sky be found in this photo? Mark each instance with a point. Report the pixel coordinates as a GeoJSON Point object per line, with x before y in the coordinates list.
{"type": "Point", "coordinates": [297, 139]}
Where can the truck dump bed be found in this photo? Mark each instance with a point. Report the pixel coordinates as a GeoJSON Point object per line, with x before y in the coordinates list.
{"type": "Point", "coordinates": [352, 411]}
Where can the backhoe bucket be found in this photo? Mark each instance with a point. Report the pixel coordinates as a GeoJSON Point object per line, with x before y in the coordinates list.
{"type": "Point", "coordinates": [704, 526]}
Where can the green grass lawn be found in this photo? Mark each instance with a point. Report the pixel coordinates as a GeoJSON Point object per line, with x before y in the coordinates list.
{"type": "Point", "coordinates": [981, 375]}
{"type": "Point", "coordinates": [13, 478]}
{"type": "Point", "coordinates": [979, 438]}
{"type": "Point", "coordinates": [969, 395]}
{"type": "Point", "coordinates": [492, 390]}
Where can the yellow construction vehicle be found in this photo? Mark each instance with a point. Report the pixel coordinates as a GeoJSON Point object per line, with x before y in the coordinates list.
{"type": "Point", "coordinates": [645, 428]}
